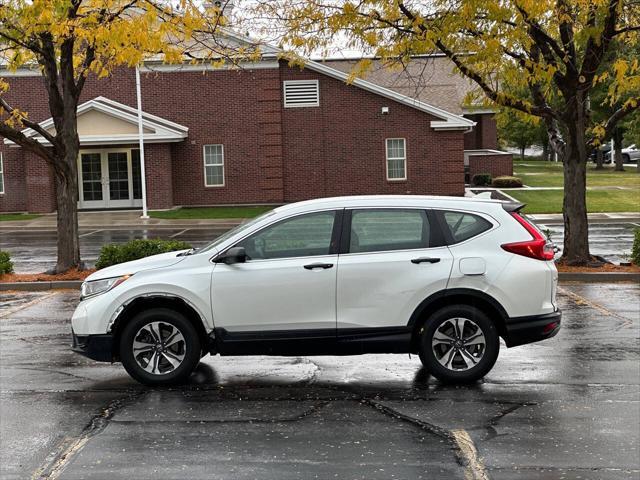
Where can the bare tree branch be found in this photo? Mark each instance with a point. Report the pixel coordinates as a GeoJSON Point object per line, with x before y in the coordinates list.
{"type": "Point", "coordinates": [28, 143]}
{"type": "Point", "coordinates": [28, 123]}
{"type": "Point", "coordinates": [629, 107]}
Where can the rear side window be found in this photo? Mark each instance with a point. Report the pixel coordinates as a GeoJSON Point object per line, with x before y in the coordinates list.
{"type": "Point", "coordinates": [379, 230]}
{"type": "Point", "coordinates": [463, 226]}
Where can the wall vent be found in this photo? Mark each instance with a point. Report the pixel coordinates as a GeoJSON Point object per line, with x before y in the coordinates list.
{"type": "Point", "coordinates": [301, 93]}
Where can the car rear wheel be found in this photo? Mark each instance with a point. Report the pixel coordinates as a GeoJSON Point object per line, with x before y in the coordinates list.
{"type": "Point", "coordinates": [626, 158]}
{"type": "Point", "coordinates": [459, 344]}
{"type": "Point", "coordinates": [159, 347]}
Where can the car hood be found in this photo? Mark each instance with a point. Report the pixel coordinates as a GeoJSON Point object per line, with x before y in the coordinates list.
{"type": "Point", "coordinates": [129, 268]}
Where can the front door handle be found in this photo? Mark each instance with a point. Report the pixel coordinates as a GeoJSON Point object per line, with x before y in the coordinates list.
{"type": "Point", "coordinates": [425, 260]}
{"type": "Point", "coordinates": [311, 266]}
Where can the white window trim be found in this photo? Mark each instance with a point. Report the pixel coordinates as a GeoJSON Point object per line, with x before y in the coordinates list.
{"type": "Point", "coordinates": [2, 173]}
{"type": "Point", "coordinates": [300, 82]}
{"type": "Point", "coordinates": [204, 165]}
{"type": "Point", "coordinates": [404, 159]}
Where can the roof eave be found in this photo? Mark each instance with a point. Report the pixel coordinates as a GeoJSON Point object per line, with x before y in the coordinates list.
{"type": "Point", "coordinates": [447, 119]}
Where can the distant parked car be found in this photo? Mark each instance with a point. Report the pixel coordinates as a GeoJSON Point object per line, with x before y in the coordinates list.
{"type": "Point", "coordinates": [605, 149]}
{"type": "Point", "coordinates": [629, 155]}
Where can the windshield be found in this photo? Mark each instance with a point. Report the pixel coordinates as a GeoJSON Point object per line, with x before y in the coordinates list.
{"type": "Point", "coordinates": [243, 226]}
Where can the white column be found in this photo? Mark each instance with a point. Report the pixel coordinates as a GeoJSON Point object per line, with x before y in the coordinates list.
{"type": "Point", "coordinates": [143, 179]}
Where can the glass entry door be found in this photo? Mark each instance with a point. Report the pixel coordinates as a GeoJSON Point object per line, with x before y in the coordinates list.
{"type": "Point", "coordinates": [109, 178]}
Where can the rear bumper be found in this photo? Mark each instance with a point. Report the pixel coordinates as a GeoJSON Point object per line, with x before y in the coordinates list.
{"type": "Point", "coordinates": [96, 347]}
{"type": "Point", "coordinates": [522, 330]}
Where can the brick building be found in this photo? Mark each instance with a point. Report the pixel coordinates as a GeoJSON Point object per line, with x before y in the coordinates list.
{"type": "Point", "coordinates": [267, 133]}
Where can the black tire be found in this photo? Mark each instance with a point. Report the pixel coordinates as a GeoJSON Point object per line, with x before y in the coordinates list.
{"type": "Point", "coordinates": [188, 349]}
{"type": "Point", "coordinates": [486, 356]}
{"type": "Point", "coordinates": [626, 158]}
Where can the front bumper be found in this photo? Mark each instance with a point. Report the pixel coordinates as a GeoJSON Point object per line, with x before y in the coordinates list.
{"type": "Point", "coordinates": [96, 347]}
{"type": "Point", "coordinates": [522, 330]}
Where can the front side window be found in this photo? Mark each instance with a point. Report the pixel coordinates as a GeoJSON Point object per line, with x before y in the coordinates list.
{"type": "Point", "coordinates": [462, 226]}
{"type": "Point", "coordinates": [213, 165]}
{"type": "Point", "coordinates": [391, 229]}
{"type": "Point", "coordinates": [396, 159]}
{"type": "Point", "coordinates": [301, 236]}
{"type": "Point", "coordinates": [1, 175]}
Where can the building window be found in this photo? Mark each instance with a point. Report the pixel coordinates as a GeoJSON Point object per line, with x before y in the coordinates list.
{"type": "Point", "coordinates": [1, 175]}
{"type": "Point", "coordinates": [301, 93]}
{"type": "Point", "coordinates": [396, 159]}
{"type": "Point", "coordinates": [213, 166]}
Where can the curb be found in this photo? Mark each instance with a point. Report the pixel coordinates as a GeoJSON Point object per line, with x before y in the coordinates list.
{"type": "Point", "coordinates": [41, 286]}
{"type": "Point", "coordinates": [598, 277]}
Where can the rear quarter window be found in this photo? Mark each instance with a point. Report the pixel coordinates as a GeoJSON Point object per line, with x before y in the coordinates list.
{"type": "Point", "coordinates": [462, 226]}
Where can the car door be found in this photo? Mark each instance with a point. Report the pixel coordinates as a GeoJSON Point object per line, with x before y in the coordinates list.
{"type": "Point", "coordinates": [391, 260]}
{"type": "Point", "coordinates": [287, 284]}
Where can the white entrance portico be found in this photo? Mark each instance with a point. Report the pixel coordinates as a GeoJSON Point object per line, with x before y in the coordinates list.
{"type": "Point", "coordinates": [109, 160]}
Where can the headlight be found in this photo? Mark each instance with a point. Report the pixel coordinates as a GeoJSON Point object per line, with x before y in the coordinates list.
{"type": "Point", "coordinates": [96, 287]}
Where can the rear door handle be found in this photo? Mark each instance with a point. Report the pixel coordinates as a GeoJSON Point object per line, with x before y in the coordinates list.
{"type": "Point", "coordinates": [425, 260]}
{"type": "Point", "coordinates": [311, 266]}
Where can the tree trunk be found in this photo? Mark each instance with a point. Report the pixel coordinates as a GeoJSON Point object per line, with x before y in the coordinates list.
{"type": "Point", "coordinates": [545, 151]}
{"type": "Point", "coordinates": [617, 150]}
{"type": "Point", "coordinates": [599, 159]}
{"type": "Point", "coordinates": [574, 208]}
{"type": "Point", "coordinates": [522, 152]}
{"type": "Point", "coordinates": [67, 204]}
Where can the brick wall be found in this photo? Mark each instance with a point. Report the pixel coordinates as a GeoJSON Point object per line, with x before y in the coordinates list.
{"type": "Point", "coordinates": [158, 173]}
{"type": "Point", "coordinates": [484, 134]}
{"type": "Point", "coordinates": [497, 164]}
{"type": "Point", "coordinates": [338, 148]}
{"type": "Point", "coordinates": [41, 196]}
{"type": "Point", "coordinates": [15, 197]}
{"type": "Point", "coordinates": [272, 154]}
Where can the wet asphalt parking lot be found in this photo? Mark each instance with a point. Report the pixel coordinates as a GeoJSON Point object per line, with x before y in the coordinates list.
{"type": "Point", "coordinates": [566, 408]}
{"type": "Point", "coordinates": [34, 250]}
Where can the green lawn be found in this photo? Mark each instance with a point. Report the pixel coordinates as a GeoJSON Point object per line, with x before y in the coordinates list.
{"type": "Point", "coordinates": [211, 212]}
{"type": "Point", "coordinates": [549, 174]}
{"type": "Point", "coordinates": [9, 217]}
{"type": "Point", "coordinates": [550, 201]}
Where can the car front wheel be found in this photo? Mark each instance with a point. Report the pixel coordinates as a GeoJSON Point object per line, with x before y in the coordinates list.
{"type": "Point", "coordinates": [159, 347]}
{"type": "Point", "coordinates": [459, 344]}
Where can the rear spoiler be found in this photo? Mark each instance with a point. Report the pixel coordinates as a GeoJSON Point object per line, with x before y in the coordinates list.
{"type": "Point", "coordinates": [513, 206]}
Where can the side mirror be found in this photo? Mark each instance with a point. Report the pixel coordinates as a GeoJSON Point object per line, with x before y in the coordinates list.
{"type": "Point", "coordinates": [233, 255]}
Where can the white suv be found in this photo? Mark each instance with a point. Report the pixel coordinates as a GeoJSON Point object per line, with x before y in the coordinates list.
{"type": "Point", "coordinates": [443, 277]}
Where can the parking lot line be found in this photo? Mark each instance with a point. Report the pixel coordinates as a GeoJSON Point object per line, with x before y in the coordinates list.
{"type": "Point", "coordinates": [179, 233]}
{"type": "Point", "coordinates": [474, 470]}
{"type": "Point", "coordinates": [580, 300]}
{"type": "Point", "coordinates": [28, 304]}
{"type": "Point", "coordinates": [70, 447]}
{"type": "Point", "coordinates": [90, 233]}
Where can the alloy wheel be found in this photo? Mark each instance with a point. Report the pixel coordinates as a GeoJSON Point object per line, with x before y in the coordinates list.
{"type": "Point", "coordinates": [159, 348]}
{"type": "Point", "coordinates": [458, 344]}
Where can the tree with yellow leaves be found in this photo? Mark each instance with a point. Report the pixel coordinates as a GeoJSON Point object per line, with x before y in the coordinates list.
{"type": "Point", "coordinates": [552, 50]}
{"type": "Point", "coordinates": [70, 40]}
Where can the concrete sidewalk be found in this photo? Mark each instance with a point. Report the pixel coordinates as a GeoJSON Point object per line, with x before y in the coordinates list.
{"type": "Point", "coordinates": [123, 219]}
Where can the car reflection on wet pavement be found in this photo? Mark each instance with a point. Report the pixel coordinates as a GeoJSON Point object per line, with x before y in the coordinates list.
{"type": "Point", "coordinates": [565, 408]}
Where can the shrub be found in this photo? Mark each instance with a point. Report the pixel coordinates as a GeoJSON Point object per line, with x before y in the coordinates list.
{"type": "Point", "coordinates": [635, 250]}
{"type": "Point", "coordinates": [113, 254]}
{"type": "Point", "coordinates": [506, 182]}
{"type": "Point", "coordinates": [6, 265]}
{"type": "Point", "coordinates": [481, 180]}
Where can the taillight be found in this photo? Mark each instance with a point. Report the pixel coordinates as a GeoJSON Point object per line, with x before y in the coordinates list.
{"type": "Point", "coordinates": [538, 248]}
